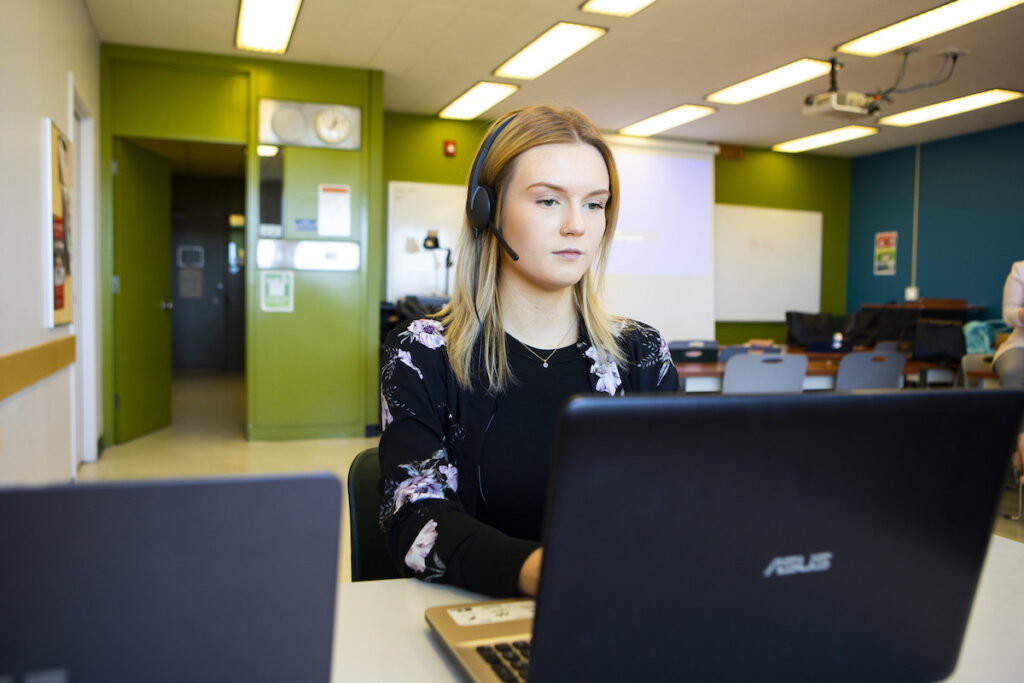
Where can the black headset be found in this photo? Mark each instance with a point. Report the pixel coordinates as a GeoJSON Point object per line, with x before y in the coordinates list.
{"type": "Point", "coordinates": [481, 200]}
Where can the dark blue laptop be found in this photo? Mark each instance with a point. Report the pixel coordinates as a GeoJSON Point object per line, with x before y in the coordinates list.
{"type": "Point", "coordinates": [198, 580]}
{"type": "Point", "coordinates": [832, 537]}
{"type": "Point", "coordinates": [815, 537]}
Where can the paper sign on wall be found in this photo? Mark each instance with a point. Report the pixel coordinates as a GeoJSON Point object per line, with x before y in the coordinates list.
{"type": "Point", "coordinates": [885, 253]}
{"type": "Point", "coordinates": [334, 216]}
{"type": "Point", "coordinates": [277, 291]}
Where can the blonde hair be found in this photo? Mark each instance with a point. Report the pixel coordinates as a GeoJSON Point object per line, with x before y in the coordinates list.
{"type": "Point", "coordinates": [526, 128]}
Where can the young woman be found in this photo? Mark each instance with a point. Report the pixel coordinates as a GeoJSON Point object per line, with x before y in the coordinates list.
{"type": "Point", "coordinates": [469, 398]}
{"type": "Point", "coordinates": [1009, 360]}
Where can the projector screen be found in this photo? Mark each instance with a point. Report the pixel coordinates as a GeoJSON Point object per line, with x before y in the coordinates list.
{"type": "Point", "coordinates": [661, 269]}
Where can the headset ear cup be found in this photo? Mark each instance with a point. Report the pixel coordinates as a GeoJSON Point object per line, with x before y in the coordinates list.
{"type": "Point", "coordinates": [480, 208]}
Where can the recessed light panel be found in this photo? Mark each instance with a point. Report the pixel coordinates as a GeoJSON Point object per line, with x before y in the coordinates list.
{"type": "Point", "coordinates": [667, 119]}
{"type": "Point", "coordinates": [950, 107]}
{"type": "Point", "coordinates": [615, 8]}
{"type": "Point", "coordinates": [925, 25]}
{"type": "Point", "coordinates": [831, 137]}
{"type": "Point", "coordinates": [266, 25]}
{"type": "Point", "coordinates": [477, 100]}
{"type": "Point", "coordinates": [772, 81]}
{"type": "Point", "coordinates": [553, 47]}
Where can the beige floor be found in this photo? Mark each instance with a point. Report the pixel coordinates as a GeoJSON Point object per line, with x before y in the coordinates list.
{"type": "Point", "coordinates": [206, 439]}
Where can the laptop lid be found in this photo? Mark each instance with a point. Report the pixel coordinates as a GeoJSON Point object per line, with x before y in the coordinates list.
{"type": "Point", "coordinates": [827, 537]}
{"type": "Point", "coordinates": [198, 580]}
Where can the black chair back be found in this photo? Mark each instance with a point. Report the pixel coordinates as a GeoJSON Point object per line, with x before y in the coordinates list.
{"type": "Point", "coordinates": [370, 559]}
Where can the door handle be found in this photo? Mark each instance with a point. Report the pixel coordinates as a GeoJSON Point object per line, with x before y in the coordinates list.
{"type": "Point", "coordinates": [166, 305]}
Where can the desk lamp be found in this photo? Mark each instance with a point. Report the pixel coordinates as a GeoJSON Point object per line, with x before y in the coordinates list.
{"type": "Point", "coordinates": [432, 241]}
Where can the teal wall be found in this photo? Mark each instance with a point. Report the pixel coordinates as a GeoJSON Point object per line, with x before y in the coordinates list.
{"type": "Point", "coordinates": [970, 226]}
{"type": "Point", "coordinates": [309, 373]}
{"type": "Point", "coordinates": [803, 182]}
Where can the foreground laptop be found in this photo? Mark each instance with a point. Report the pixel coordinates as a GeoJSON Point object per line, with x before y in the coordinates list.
{"type": "Point", "coordinates": [808, 537]}
{"type": "Point", "coordinates": [199, 580]}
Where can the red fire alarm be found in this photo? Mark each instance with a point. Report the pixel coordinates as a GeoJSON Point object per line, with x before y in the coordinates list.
{"type": "Point", "coordinates": [450, 148]}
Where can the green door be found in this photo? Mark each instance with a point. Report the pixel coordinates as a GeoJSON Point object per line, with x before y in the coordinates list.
{"type": "Point", "coordinates": [142, 291]}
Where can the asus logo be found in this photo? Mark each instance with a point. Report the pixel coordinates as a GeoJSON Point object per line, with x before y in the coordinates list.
{"type": "Point", "coordinates": [798, 564]}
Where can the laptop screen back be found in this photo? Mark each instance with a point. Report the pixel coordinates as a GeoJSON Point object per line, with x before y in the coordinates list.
{"type": "Point", "coordinates": [826, 537]}
{"type": "Point", "coordinates": [214, 580]}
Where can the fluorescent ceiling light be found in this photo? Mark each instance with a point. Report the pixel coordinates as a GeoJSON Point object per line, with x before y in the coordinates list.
{"type": "Point", "coordinates": [926, 25]}
{"type": "Point", "coordinates": [950, 107]}
{"type": "Point", "coordinates": [477, 100]}
{"type": "Point", "coordinates": [825, 139]}
{"type": "Point", "coordinates": [553, 47]}
{"type": "Point", "coordinates": [667, 119]}
{"type": "Point", "coordinates": [266, 25]}
{"type": "Point", "coordinates": [266, 150]}
{"type": "Point", "coordinates": [771, 81]}
{"type": "Point", "coordinates": [616, 8]}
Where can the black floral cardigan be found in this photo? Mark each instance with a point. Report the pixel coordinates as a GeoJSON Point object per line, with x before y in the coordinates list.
{"type": "Point", "coordinates": [431, 444]}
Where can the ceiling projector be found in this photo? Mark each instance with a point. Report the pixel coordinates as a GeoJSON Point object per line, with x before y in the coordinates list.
{"type": "Point", "coordinates": [840, 104]}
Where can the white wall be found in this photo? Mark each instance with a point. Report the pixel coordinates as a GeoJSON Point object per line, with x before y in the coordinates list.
{"type": "Point", "coordinates": [42, 42]}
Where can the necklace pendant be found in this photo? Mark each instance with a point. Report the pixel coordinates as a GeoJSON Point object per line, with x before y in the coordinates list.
{"type": "Point", "coordinates": [545, 363]}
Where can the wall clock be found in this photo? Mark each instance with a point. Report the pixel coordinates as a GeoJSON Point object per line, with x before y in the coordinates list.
{"type": "Point", "coordinates": [333, 125]}
{"type": "Point", "coordinates": [309, 124]}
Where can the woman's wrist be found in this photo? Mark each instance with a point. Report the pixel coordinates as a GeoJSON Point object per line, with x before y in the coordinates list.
{"type": "Point", "coordinates": [529, 574]}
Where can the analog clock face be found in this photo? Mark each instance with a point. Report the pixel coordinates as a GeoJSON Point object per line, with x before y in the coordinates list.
{"type": "Point", "coordinates": [333, 126]}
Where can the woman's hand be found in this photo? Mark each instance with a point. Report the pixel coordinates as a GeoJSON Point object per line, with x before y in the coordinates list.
{"type": "Point", "coordinates": [529, 575]}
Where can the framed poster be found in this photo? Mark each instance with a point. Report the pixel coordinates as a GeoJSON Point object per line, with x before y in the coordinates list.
{"type": "Point", "coordinates": [57, 224]}
{"type": "Point", "coordinates": [277, 291]}
{"type": "Point", "coordinates": [885, 253]}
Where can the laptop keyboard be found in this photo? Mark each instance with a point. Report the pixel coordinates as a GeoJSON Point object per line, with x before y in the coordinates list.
{"type": "Point", "coordinates": [510, 661]}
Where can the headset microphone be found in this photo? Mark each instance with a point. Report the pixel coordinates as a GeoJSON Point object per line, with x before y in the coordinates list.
{"type": "Point", "coordinates": [481, 200]}
{"type": "Point", "coordinates": [503, 243]}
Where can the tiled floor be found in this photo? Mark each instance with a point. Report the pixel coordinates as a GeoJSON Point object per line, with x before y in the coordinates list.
{"type": "Point", "coordinates": [206, 439]}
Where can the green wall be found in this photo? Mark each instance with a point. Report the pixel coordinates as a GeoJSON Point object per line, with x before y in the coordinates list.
{"type": "Point", "coordinates": [313, 372]}
{"type": "Point", "coordinates": [791, 181]}
{"type": "Point", "coordinates": [413, 148]}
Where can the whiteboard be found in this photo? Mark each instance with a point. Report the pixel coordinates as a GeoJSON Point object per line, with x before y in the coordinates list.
{"type": "Point", "coordinates": [414, 209]}
{"type": "Point", "coordinates": [767, 262]}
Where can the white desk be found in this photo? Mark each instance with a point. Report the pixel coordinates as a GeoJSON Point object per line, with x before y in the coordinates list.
{"type": "Point", "coordinates": [380, 633]}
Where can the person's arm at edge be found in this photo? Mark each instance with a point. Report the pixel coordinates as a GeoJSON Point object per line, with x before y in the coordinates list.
{"type": "Point", "coordinates": [1013, 296]}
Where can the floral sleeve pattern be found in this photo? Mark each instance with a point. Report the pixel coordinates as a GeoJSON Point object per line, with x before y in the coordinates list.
{"type": "Point", "coordinates": [432, 478]}
{"type": "Point", "coordinates": [429, 333]}
{"type": "Point", "coordinates": [608, 379]}
{"type": "Point", "coordinates": [653, 350]}
{"type": "Point", "coordinates": [406, 399]}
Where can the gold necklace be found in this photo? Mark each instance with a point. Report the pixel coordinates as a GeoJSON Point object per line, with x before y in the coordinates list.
{"type": "Point", "coordinates": [542, 359]}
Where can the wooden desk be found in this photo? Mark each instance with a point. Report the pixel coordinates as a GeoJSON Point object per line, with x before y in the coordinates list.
{"type": "Point", "coordinates": [982, 379]}
{"type": "Point", "coordinates": [380, 633]}
{"type": "Point", "coordinates": [821, 373]}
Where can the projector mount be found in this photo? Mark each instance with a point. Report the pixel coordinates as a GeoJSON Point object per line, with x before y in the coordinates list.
{"type": "Point", "coordinates": [848, 104]}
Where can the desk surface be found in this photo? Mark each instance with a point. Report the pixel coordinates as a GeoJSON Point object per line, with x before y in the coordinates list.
{"type": "Point", "coordinates": [380, 633]}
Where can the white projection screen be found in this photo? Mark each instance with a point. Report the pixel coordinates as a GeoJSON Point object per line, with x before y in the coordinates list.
{"type": "Point", "coordinates": [661, 269]}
